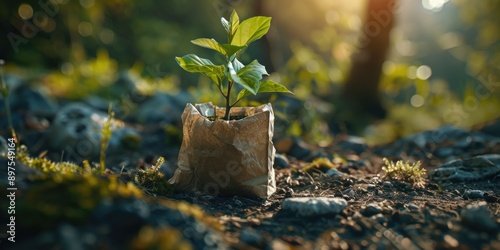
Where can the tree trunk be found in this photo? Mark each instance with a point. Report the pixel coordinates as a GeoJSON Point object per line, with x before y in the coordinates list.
{"type": "Point", "coordinates": [362, 85]}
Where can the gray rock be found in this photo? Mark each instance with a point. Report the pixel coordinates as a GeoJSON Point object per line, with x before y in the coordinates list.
{"type": "Point", "coordinates": [372, 209]}
{"type": "Point", "coordinates": [443, 152]}
{"type": "Point", "coordinates": [473, 194]}
{"type": "Point", "coordinates": [349, 193]}
{"type": "Point", "coordinates": [355, 144]}
{"type": "Point", "coordinates": [333, 172]}
{"type": "Point", "coordinates": [251, 237]}
{"type": "Point", "coordinates": [158, 108]}
{"type": "Point", "coordinates": [311, 206]}
{"type": "Point", "coordinates": [466, 170]}
{"type": "Point", "coordinates": [477, 216]}
{"type": "Point", "coordinates": [30, 98]}
{"type": "Point", "coordinates": [281, 161]}
{"type": "Point", "coordinates": [413, 208]}
{"type": "Point", "coordinates": [492, 128]}
{"type": "Point", "coordinates": [77, 130]}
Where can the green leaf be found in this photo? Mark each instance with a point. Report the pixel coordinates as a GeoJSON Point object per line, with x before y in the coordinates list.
{"type": "Point", "coordinates": [224, 49]}
{"type": "Point", "coordinates": [265, 86]}
{"type": "Point", "coordinates": [250, 30]}
{"type": "Point", "coordinates": [194, 64]}
{"type": "Point", "coordinates": [248, 76]}
{"type": "Point", "coordinates": [234, 20]}
{"type": "Point", "coordinates": [226, 25]}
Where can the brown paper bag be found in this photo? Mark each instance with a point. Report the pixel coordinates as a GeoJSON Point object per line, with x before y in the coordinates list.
{"type": "Point", "coordinates": [226, 157]}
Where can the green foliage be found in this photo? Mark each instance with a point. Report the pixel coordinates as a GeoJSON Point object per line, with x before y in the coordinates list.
{"type": "Point", "coordinates": [405, 172]}
{"type": "Point", "coordinates": [153, 180]}
{"type": "Point", "coordinates": [249, 77]}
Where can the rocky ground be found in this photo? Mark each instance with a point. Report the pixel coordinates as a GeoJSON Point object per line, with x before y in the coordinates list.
{"type": "Point", "coordinates": [329, 197]}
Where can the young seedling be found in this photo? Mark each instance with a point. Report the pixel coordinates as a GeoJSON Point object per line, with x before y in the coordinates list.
{"type": "Point", "coordinates": [232, 71]}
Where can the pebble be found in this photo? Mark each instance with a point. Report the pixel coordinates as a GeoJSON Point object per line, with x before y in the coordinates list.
{"type": "Point", "coordinates": [251, 237]}
{"type": "Point", "coordinates": [312, 206]}
{"type": "Point", "coordinates": [473, 194]}
{"type": "Point", "coordinates": [371, 187]}
{"type": "Point", "coordinates": [281, 161]}
{"type": "Point", "coordinates": [333, 172]}
{"type": "Point", "coordinates": [379, 218]}
{"type": "Point", "coordinates": [372, 209]}
{"type": "Point", "coordinates": [349, 193]}
{"type": "Point", "coordinates": [477, 216]}
{"type": "Point", "coordinates": [413, 208]}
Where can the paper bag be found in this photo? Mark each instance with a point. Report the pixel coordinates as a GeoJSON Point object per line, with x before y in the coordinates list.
{"type": "Point", "coordinates": [226, 157]}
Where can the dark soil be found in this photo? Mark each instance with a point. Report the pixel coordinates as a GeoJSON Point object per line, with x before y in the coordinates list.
{"type": "Point", "coordinates": [410, 218]}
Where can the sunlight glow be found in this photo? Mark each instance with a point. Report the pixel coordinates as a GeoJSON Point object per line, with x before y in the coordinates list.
{"type": "Point", "coordinates": [434, 5]}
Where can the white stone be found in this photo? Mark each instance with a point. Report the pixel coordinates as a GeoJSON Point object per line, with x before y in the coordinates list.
{"type": "Point", "coordinates": [311, 206]}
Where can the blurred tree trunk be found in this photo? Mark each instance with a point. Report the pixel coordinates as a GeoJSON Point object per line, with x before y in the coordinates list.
{"type": "Point", "coordinates": [361, 87]}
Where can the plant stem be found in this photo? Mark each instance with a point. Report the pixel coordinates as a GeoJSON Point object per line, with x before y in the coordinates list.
{"type": "Point", "coordinates": [228, 104]}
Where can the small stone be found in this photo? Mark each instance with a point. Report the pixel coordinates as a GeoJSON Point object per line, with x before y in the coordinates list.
{"type": "Point", "coordinates": [281, 161]}
{"type": "Point", "coordinates": [387, 185]}
{"type": "Point", "coordinates": [333, 172]}
{"type": "Point", "coordinates": [451, 241]}
{"type": "Point", "coordinates": [413, 208]}
{"type": "Point", "coordinates": [477, 216]}
{"type": "Point", "coordinates": [371, 187]}
{"type": "Point", "coordinates": [311, 206]}
{"type": "Point", "coordinates": [372, 209]}
{"type": "Point", "coordinates": [251, 237]}
{"type": "Point", "coordinates": [349, 193]}
{"type": "Point", "coordinates": [379, 218]}
{"type": "Point", "coordinates": [473, 194]}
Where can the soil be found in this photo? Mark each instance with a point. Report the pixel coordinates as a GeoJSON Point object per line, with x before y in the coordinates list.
{"type": "Point", "coordinates": [381, 214]}
{"type": "Point", "coordinates": [409, 218]}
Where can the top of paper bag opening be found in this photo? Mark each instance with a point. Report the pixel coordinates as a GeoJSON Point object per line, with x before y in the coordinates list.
{"type": "Point", "coordinates": [208, 110]}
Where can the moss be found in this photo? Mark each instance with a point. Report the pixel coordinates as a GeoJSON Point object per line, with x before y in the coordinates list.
{"type": "Point", "coordinates": [405, 172]}
{"type": "Point", "coordinates": [69, 198]}
{"type": "Point", "coordinates": [323, 164]}
{"type": "Point", "coordinates": [45, 165]}
{"type": "Point", "coordinates": [153, 180]}
{"type": "Point", "coordinates": [164, 238]}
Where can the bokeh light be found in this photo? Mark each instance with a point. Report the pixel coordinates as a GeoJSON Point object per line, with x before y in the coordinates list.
{"type": "Point", "coordinates": [423, 72]}
{"type": "Point", "coordinates": [85, 29]}
{"type": "Point", "coordinates": [25, 11]}
{"type": "Point", "coordinates": [417, 101]}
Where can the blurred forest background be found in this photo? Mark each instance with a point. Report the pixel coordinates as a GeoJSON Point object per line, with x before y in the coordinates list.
{"type": "Point", "coordinates": [442, 67]}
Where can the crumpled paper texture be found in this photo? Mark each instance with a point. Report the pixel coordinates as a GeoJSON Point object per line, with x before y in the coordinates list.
{"type": "Point", "coordinates": [222, 157]}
